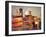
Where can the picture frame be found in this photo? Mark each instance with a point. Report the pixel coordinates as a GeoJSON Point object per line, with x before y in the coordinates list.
{"type": "Point", "coordinates": [10, 11]}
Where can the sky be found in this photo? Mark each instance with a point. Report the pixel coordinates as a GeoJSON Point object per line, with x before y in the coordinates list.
{"type": "Point", "coordinates": [36, 11]}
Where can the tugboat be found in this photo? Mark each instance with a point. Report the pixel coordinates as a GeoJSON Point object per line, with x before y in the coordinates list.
{"type": "Point", "coordinates": [28, 20]}
{"type": "Point", "coordinates": [17, 20]}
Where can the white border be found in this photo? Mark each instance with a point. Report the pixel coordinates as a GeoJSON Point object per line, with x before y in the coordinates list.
{"type": "Point", "coordinates": [29, 31]}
